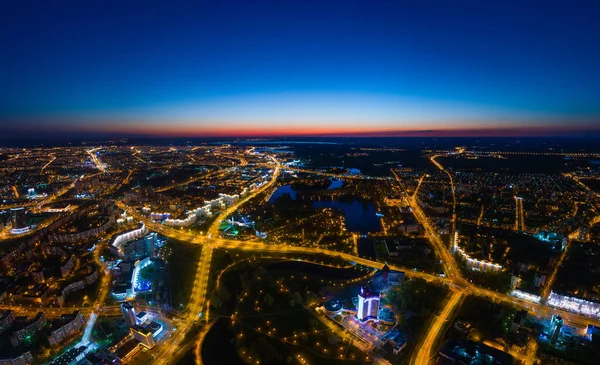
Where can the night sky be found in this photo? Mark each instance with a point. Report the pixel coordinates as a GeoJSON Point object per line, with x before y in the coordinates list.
{"type": "Point", "coordinates": [260, 68]}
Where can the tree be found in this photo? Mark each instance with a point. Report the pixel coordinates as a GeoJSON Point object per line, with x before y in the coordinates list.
{"type": "Point", "coordinates": [219, 297]}
{"type": "Point", "coordinates": [268, 300]}
{"type": "Point", "coordinates": [263, 350]}
{"type": "Point", "coordinates": [310, 298]}
{"type": "Point", "coordinates": [215, 299]}
{"type": "Point", "coordinates": [296, 299]}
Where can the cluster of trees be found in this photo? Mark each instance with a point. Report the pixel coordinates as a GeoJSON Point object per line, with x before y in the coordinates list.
{"type": "Point", "coordinates": [417, 300]}
{"type": "Point", "coordinates": [182, 265]}
{"type": "Point", "coordinates": [491, 319]}
{"type": "Point", "coordinates": [416, 295]}
{"type": "Point", "coordinates": [253, 279]}
{"type": "Point", "coordinates": [262, 349]}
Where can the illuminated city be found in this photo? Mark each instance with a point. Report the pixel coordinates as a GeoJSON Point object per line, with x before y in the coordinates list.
{"type": "Point", "coordinates": [304, 183]}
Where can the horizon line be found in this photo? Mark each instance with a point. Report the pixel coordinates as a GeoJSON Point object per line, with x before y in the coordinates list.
{"type": "Point", "coordinates": [33, 132]}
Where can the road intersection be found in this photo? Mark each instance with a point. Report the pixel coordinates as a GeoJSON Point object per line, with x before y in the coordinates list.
{"type": "Point", "coordinates": [453, 278]}
{"type": "Point", "coordinates": [196, 308]}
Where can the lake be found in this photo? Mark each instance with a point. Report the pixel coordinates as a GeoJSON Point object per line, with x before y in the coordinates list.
{"type": "Point", "coordinates": [360, 215]}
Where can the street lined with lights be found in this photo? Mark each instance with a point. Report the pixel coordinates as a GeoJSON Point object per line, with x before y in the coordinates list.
{"type": "Point", "coordinates": [198, 305]}
{"type": "Point", "coordinates": [453, 278]}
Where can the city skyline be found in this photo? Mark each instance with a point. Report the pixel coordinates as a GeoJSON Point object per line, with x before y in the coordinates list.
{"type": "Point", "coordinates": [300, 69]}
{"type": "Point", "coordinates": [307, 182]}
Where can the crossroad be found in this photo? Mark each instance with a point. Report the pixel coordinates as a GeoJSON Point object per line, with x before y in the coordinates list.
{"type": "Point", "coordinates": [423, 354]}
{"type": "Point", "coordinates": [197, 300]}
{"type": "Point", "coordinates": [95, 159]}
{"type": "Point", "coordinates": [459, 287]}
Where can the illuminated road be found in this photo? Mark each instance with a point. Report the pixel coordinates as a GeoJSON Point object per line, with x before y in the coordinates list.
{"type": "Point", "coordinates": [16, 205]}
{"type": "Point", "coordinates": [438, 323]}
{"type": "Point", "coordinates": [105, 279]}
{"type": "Point", "coordinates": [197, 301]}
{"type": "Point", "coordinates": [439, 247]}
{"type": "Point", "coordinates": [213, 231]}
{"type": "Point", "coordinates": [48, 164]}
{"type": "Point", "coordinates": [136, 154]}
{"type": "Point", "coordinates": [480, 215]}
{"type": "Point", "coordinates": [587, 188]}
{"type": "Point", "coordinates": [15, 191]}
{"type": "Point", "coordinates": [552, 278]}
{"type": "Point", "coordinates": [414, 196]}
{"type": "Point", "coordinates": [458, 285]}
{"type": "Point", "coordinates": [95, 159]}
{"type": "Point", "coordinates": [200, 341]}
{"type": "Point", "coordinates": [439, 166]}
{"type": "Point", "coordinates": [196, 308]}
{"type": "Point", "coordinates": [294, 250]}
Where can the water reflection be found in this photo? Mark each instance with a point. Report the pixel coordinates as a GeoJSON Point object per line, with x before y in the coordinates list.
{"type": "Point", "coordinates": [360, 215]}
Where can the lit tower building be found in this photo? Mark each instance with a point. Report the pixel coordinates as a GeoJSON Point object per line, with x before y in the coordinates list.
{"type": "Point", "coordinates": [386, 273]}
{"type": "Point", "coordinates": [129, 314]}
{"type": "Point", "coordinates": [555, 327]}
{"type": "Point", "coordinates": [520, 220]}
{"type": "Point", "coordinates": [19, 224]}
{"type": "Point", "coordinates": [18, 218]}
{"type": "Point", "coordinates": [368, 304]}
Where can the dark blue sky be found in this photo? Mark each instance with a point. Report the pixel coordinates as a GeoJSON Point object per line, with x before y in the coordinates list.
{"type": "Point", "coordinates": [299, 66]}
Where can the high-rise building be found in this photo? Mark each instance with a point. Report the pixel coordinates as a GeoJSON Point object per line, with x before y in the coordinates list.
{"type": "Point", "coordinates": [386, 273]}
{"type": "Point", "coordinates": [520, 221]}
{"type": "Point", "coordinates": [66, 327]}
{"type": "Point", "coordinates": [79, 186]}
{"type": "Point", "coordinates": [27, 328]}
{"type": "Point", "coordinates": [368, 304]}
{"type": "Point", "coordinates": [129, 314]}
{"type": "Point", "coordinates": [6, 320]}
{"type": "Point", "coordinates": [18, 218]}
{"type": "Point", "coordinates": [140, 248]}
{"type": "Point", "coordinates": [555, 327]}
{"type": "Point", "coordinates": [144, 335]}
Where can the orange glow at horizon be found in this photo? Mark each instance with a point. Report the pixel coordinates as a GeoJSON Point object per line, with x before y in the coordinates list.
{"type": "Point", "coordinates": [236, 130]}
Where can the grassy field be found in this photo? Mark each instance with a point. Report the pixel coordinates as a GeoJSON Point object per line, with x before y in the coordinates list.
{"type": "Point", "coordinates": [182, 264]}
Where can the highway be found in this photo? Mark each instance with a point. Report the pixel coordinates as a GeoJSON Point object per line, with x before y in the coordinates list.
{"type": "Point", "coordinates": [452, 188]}
{"type": "Point", "coordinates": [450, 268]}
{"type": "Point", "coordinates": [196, 310]}
{"type": "Point", "coordinates": [547, 287]}
{"type": "Point", "coordinates": [431, 334]}
{"type": "Point", "coordinates": [295, 250]}
{"type": "Point", "coordinates": [459, 286]}
{"type": "Point", "coordinates": [95, 159]}
{"type": "Point", "coordinates": [416, 192]}
{"type": "Point", "coordinates": [197, 302]}
{"type": "Point", "coordinates": [52, 159]}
